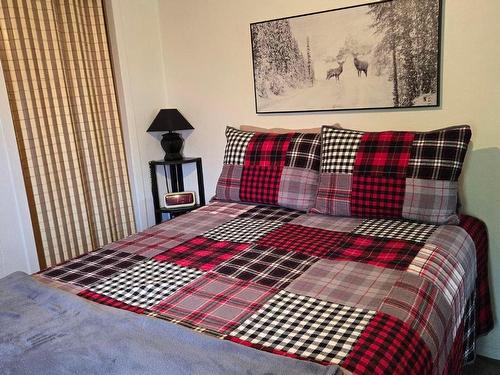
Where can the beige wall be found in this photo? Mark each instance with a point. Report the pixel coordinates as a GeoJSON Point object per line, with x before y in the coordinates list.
{"type": "Point", "coordinates": [208, 69]}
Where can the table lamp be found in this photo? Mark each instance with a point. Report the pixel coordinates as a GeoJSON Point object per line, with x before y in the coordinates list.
{"type": "Point", "coordinates": [168, 120]}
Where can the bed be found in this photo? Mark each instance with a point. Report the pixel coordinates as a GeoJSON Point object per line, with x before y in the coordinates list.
{"type": "Point", "coordinates": [372, 296]}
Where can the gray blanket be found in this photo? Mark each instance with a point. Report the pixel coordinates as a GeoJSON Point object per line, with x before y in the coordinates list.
{"type": "Point", "coordinates": [48, 331]}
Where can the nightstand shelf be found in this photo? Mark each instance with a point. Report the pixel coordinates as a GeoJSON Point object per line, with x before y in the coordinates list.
{"type": "Point", "coordinates": [177, 181]}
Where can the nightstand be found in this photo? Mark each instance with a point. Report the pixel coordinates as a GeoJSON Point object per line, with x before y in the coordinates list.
{"type": "Point", "coordinates": [177, 182]}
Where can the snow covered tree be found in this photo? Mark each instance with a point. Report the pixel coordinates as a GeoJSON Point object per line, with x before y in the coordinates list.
{"type": "Point", "coordinates": [278, 61]}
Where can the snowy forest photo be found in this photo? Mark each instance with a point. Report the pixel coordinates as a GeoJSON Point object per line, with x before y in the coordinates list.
{"type": "Point", "coordinates": [378, 55]}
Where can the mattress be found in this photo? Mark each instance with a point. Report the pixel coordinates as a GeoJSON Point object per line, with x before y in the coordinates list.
{"type": "Point", "coordinates": [371, 295]}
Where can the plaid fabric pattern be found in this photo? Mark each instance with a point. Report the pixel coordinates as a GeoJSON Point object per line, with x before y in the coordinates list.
{"type": "Point", "coordinates": [91, 268]}
{"type": "Point", "coordinates": [455, 362]}
{"type": "Point", "coordinates": [397, 229]}
{"type": "Point", "coordinates": [348, 283]}
{"type": "Point", "coordinates": [384, 154]}
{"type": "Point", "coordinates": [381, 252]}
{"type": "Point", "coordinates": [391, 174]}
{"type": "Point", "coordinates": [419, 290]}
{"type": "Point", "coordinates": [228, 185]}
{"type": "Point", "coordinates": [439, 155]}
{"type": "Point", "coordinates": [304, 151]}
{"type": "Point", "coordinates": [478, 232]}
{"type": "Point", "coordinates": [215, 302]}
{"type": "Point", "coordinates": [298, 188]}
{"type": "Point", "coordinates": [305, 326]}
{"type": "Point", "coordinates": [164, 236]}
{"type": "Point", "coordinates": [377, 197]}
{"type": "Point", "coordinates": [419, 304]}
{"type": "Point", "coordinates": [269, 168]}
{"type": "Point", "coordinates": [105, 300]}
{"type": "Point", "coordinates": [388, 346]}
{"type": "Point", "coordinates": [225, 208]}
{"type": "Point", "coordinates": [242, 230]}
{"type": "Point", "coordinates": [260, 184]}
{"type": "Point", "coordinates": [306, 240]}
{"type": "Point", "coordinates": [337, 224]}
{"type": "Point", "coordinates": [267, 266]}
{"type": "Point", "coordinates": [201, 253]}
{"type": "Point", "coordinates": [267, 149]}
{"type": "Point", "coordinates": [236, 145]}
{"type": "Point", "coordinates": [145, 284]}
{"type": "Point", "coordinates": [283, 215]}
{"type": "Point", "coordinates": [334, 194]}
{"type": "Point", "coordinates": [339, 149]}
{"type": "Point", "coordinates": [469, 329]}
{"type": "Point", "coordinates": [433, 201]}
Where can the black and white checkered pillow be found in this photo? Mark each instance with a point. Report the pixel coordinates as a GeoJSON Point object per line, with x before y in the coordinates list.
{"type": "Point", "coordinates": [147, 283]}
{"type": "Point", "coordinates": [339, 149]}
{"type": "Point", "coordinates": [398, 229]}
{"type": "Point", "coordinates": [305, 326]}
{"type": "Point", "coordinates": [236, 145]}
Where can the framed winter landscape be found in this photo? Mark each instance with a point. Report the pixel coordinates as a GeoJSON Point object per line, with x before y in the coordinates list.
{"type": "Point", "coordinates": [379, 55]}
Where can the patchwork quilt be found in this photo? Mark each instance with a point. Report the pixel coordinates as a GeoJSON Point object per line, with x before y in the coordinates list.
{"type": "Point", "coordinates": [374, 296]}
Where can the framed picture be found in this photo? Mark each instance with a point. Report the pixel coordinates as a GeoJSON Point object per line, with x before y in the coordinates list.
{"type": "Point", "coordinates": [379, 55]}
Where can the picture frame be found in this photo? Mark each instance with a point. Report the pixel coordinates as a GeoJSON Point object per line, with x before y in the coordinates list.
{"type": "Point", "coordinates": [377, 55]}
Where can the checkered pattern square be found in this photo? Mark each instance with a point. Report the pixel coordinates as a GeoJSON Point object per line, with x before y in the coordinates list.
{"type": "Point", "coordinates": [439, 155]}
{"type": "Point", "coordinates": [260, 184]}
{"type": "Point", "coordinates": [242, 230]}
{"type": "Point", "coordinates": [93, 267]}
{"type": "Point", "coordinates": [349, 283]}
{"type": "Point", "coordinates": [381, 252]}
{"type": "Point", "coordinates": [304, 151]}
{"type": "Point", "coordinates": [280, 214]}
{"type": "Point", "coordinates": [304, 326]}
{"type": "Point", "coordinates": [267, 266]}
{"type": "Point", "coordinates": [214, 302]}
{"type": "Point", "coordinates": [306, 240]}
{"type": "Point", "coordinates": [334, 194]}
{"type": "Point", "coordinates": [298, 188]}
{"type": "Point", "coordinates": [236, 145]}
{"type": "Point", "coordinates": [201, 253]}
{"type": "Point", "coordinates": [228, 185]}
{"type": "Point", "coordinates": [433, 201]}
{"type": "Point", "coordinates": [267, 149]}
{"type": "Point", "coordinates": [377, 197]}
{"type": "Point", "coordinates": [388, 346]}
{"type": "Point", "coordinates": [105, 300]}
{"type": "Point", "coordinates": [338, 149]}
{"type": "Point", "coordinates": [398, 229]}
{"type": "Point", "coordinates": [384, 154]}
{"type": "Point", "coordinates": [337, 224]}
{"type": "Point", "coordinates": [145, 284]}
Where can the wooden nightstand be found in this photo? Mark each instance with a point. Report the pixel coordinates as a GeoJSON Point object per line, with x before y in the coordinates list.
{"type": "Point", "coordinates": [177, 182]}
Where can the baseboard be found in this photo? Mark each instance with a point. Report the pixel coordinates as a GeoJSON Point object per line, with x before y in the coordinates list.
{"type": "Point", "coordinates": [490, 353]}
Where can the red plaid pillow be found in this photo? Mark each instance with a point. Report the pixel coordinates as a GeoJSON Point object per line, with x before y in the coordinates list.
{"type": "Point", "coordinates": [270, 168]}
{"type": "Point", "coordinates": [392, 174]}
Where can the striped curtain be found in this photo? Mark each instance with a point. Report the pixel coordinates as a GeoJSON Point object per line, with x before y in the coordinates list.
{"type": "Point", "coordinates": [57, 69]}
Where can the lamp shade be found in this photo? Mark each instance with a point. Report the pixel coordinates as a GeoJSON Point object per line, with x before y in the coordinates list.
{"type": "Point", "coordinates": [169, 120]}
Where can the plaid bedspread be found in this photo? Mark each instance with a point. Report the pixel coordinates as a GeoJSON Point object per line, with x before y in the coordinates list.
{"type": "Point", "coordinates": [374, 296]}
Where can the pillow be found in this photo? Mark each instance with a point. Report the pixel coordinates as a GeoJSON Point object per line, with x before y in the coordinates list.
{"type": "Point", "coordinates": [269, 168]}
{"type": "Point", "coordinates": [392, 174]}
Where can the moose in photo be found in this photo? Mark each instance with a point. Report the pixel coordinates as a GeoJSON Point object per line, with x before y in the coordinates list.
{"type": "Point", "coordinates": [361, 66]}
{"type": "Point", "coordinates": [336, 72]}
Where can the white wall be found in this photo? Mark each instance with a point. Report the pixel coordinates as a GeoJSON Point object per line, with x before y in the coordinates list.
{"type": "Point", "coordinates": [135, 39]}
{"type": "Point", "coordinates": [17, 244]}
{"type": "Point", "coordinates": [207, 63]}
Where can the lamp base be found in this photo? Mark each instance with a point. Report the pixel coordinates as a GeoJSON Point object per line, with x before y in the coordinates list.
{"type": "Point", "coordinates": [172, 145]}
